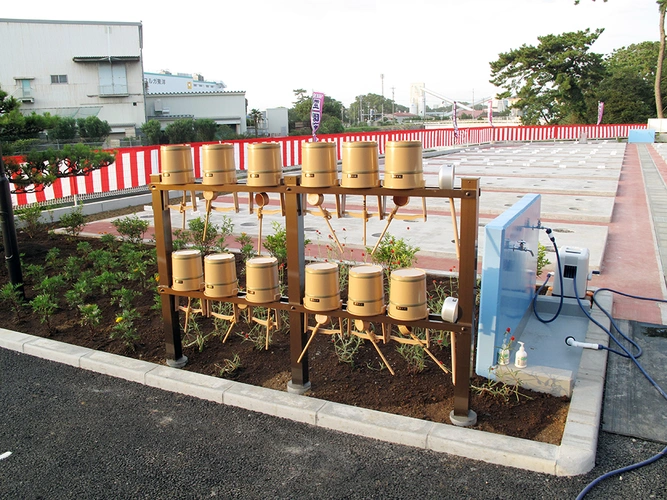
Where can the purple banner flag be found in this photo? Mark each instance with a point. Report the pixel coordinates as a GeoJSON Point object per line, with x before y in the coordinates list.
{"type": "Point", "coordinates": [600, 111]}
{"type": "Point", "coordinates": [316, 112]}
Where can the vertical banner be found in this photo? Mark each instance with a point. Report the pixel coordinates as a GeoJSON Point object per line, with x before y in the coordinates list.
{"type": "Point", "coordinates": [490, 112]}
{"type": "Point", "coordinates": [455, 121]}
{"type": "Point", "coordinates": [600, 111]}
{"type": "Point", "coordinates": [316, 113]}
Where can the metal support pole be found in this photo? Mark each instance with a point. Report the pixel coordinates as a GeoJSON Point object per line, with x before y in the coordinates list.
{"type": "Point", "coordinates": [462, 343]}
{"type": "Point", "coordinates": [296, 285]}
{"type": "Point", "coordinates": [164, 247]}
{"type": "Point", "coordinates": [9, 239]}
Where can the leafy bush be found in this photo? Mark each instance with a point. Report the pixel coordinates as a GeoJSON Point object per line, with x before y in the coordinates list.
{"type": "Point", "coordinates": [30, 218]}
{"type": "Point", "coordinates": [93, 129]}
{"type": "Point", "coordinates": [74, 222]}
{"type": "Point", "coordinates": [276, 243]}
{"type": "Point", "coordinates": [216, 235]}
{"type": "Point", "coordinates": [132, 228]}
{"type": "Point", "coordinates": [394, 253]}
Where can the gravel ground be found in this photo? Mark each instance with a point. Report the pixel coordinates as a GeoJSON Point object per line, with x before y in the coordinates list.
{"type": "Point", "coordinates": [77, 434]}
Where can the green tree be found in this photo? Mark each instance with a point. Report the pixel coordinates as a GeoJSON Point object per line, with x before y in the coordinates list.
{"type": "Point", "coordinates": [153, 132]}
{"type": "Point", "coordinates": [181, 131]}
{"type": "Point", "coordinates": [657, 85]}
{"type": "Point", "coordinates": [205, 130]}
{"type": "Point", "coordinates": [7, 102]}
{"type": "Point", "coordinates": [375, 102]}
{"type": "Point", "coordinates": [553, 79]}
{"type": "Point", "coordinates": [627, 88]}
{"type": "Point", "coordinates": [93, 129]}
{"type": "Point", "coordinates": [63, 129]}
{"type": "Point", "coordinates": [255, 117]}
{"type": "Point", "coordinates": [41, 168]}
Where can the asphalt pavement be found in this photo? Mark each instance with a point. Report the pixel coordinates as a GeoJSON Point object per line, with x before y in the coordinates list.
{"type": "Point", "coordinates": [77, 434]}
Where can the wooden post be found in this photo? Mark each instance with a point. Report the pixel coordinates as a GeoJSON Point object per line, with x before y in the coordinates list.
{"type": "Point", "coordinates": [163, 246]}
{"type": "Point", "coordinates": [462, 342]}
{"type": "Point", "coordinates": [295, 285]}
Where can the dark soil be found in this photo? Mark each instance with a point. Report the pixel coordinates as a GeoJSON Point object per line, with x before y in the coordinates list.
{"type": "Point", "coordinates": [426, 395]}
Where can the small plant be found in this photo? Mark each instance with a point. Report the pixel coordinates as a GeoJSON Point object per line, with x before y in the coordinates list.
{"type": "Point", "coordinates": [11, 294]}
{"type": "Point", "coordinates": [30, 218]}
{"type": "Point", "coordinates": [346, 347]}
{"type": "Point", "coordinates": [442, 339]}
{"type": "Point", "coordinates": [72, 268]}
{"type": "Point", "coordinates": [393, 253]}
{"type": "Point", "coordinates": [123, 297]}
{"type": "Point", "coordinates": [109, 240]}
{"type": "Point", "coordinates": [44, 305]}
{"type": "Point", "coordinates": [247, 249]}
{"type": "Point", "coordinates": [34, 272]}
{"type": "Point", "coordinates": [216, 235]}
{"type": "Point", "coordinates": [52, 256]}
{"type": "Point", "coordinates": [276, 243]}
{"type": "Point", "coordinates": [414, 355]}
{"type": "Point", "coordinates": [132, 228]}
{"type": "Point", "coordinates": [107, 281]}
{"type": "Point", "coordinates": [91, 315]}
{"type": "Point", "coordinates": [502, 390]}
{"type": "Point", "coordinates": [74, 222]}
{"type": "Point", "coordinates": [51, 285]}
{"type": "Point", "coordinates": [229, 366]}
{"type": "Point", "coordinates": [79, 292]}
{"type": "Point", "coordinates": [103, 260]}
{"type": "Point", "coordinates": [124, 328]}
{"type": "Point", "coordinates": [84, 248]}
{"type": "Point", "coordinates": [256, 335]}
{"type": "Point", "coordinates": [542, 260]}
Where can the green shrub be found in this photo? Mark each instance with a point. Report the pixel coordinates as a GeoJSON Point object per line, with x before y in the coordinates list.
{"type": "Point", "coordinates": [73, 222]}
{"type": "Point", "coordinates": [132, 228]}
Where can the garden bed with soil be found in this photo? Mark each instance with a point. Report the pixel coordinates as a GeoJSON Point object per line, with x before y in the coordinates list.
{"type": "Point", "coordinates": [365, 382]}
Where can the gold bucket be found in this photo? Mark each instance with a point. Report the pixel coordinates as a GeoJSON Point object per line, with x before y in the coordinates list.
{"type": "Point", "coordinates": [220, 275]}
{"type": "Point", "coordinates": [187, 272]}
{"type": "Point", "coordinates": [264, 164]}
{"type": "Point", "coordinates": [322, 287]}
{"type": "Point", "coordinates": [318, 167]}
{"type": "Point", "coordinates": [407, 294]}
{"type": "Point", "coordinates": [217, 162]}
{"type": "Point", "coordinates": [403, 165]}
{"type": "Point", "coordinates": [360, 165]}
{"type": "Point", "coordinates": [365, 294]}
{"type": "Point", "coordinates": [176, 164]}
{"type": "Point", "coordinates": [261, 276]}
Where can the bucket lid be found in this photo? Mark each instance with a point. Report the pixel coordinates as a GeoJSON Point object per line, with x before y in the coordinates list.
{"type": "Point", "coordinates": [181, 254]}
{"type": "Point", "coordinates": [261, 261]}
{"type": "Point", "coordinates": [403, 144]}
{"type": "Point", "coordinates": [175, 147]}
{"type": "Point", "coordinates": [318, 145]}
{"type": "Point", "coordinates": [219, 256]}
{"type": "Point", "coordinates": [264, 145]}
{"type": "Point", "coordinates": [369, 269]}
{"type": "Point", "coordinates": [321, 267]}
{"type": "Point", "coordinates": [408, 273]}
{"type": "Point", "coordinates": [224, 145]}
{"type": "Point", "coordinates": [360, 144]}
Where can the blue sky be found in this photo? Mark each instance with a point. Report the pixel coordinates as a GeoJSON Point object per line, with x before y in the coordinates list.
{"type": "Point", "coordinates": [341, 47]}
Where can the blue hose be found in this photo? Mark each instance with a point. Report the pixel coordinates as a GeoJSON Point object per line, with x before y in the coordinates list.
{"type": "Point", "coordinates": [626, 354]}
{"type": "Point", "coordinates": [560, 275]}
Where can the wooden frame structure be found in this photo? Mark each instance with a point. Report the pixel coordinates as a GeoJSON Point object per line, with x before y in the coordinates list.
{"type": "Point", "coordinates": [294, 195]}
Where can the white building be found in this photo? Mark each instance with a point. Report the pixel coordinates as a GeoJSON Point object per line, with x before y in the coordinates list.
{"type": "Point", "coordinates": [75, 69]}
{"type": "Point", "coordinates": [171, 97]}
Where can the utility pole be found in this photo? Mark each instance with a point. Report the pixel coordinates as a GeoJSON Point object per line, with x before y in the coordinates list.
{"type": "Point", "coordinates": [392, 104]}
{"type": "Point", "coordinates": [9, 239]}
{"type": "Point", "coordinates": [382, 111]}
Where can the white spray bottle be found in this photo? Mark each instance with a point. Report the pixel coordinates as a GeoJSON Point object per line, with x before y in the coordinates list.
{"type": "Point", "coordinates": [521, 357]}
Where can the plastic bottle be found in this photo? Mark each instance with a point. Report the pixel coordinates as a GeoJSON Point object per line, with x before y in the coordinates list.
{"type": "Point", "coordinates": [521, 357]}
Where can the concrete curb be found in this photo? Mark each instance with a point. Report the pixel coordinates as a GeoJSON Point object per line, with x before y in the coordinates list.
{"type": "Point", "coordinates": [575, 455]}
